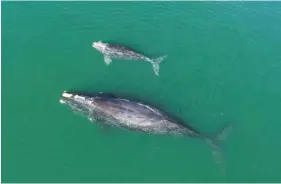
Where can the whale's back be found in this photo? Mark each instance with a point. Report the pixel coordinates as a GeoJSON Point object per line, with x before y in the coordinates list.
{"type": "Point", "coordinates": [134, 115]}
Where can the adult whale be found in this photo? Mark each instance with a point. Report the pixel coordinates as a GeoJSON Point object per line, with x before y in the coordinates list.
{"type": "Point", "coordinates": [136, 116]}
{"type": "Point", "coordinates": [116, 51]}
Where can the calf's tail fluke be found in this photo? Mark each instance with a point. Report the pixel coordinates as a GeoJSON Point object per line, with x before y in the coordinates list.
{"type": "Point", "coordinates": [155, 64]}
{"type": "Point", "coordinates": [216, 143]}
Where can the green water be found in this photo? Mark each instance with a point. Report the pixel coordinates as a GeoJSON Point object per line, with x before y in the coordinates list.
{"type": "Point", "coordinates": [223, 66]}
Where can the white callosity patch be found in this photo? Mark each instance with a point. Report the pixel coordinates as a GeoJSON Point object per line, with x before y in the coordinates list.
{"type": "Point", "coordinates": [79, 97]}
{"type": "Point", "coordinates": [66, 95]}
{"type": "Point", "coordinates": [85, 101]}
{"type": "Point", "coordinates": [100, 46]}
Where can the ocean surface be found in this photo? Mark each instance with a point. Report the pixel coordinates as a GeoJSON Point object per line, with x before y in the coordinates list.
{"type": "Point", "coordinates": [223, 67]}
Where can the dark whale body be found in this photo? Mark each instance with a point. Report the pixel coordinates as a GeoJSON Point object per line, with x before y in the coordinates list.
{"type": "Point", "coordinates": [132, 115]}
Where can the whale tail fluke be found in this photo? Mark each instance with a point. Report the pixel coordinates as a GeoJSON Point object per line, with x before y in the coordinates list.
{"type": "Point", "coordinates": [155, 64]}
{"type": "Point", "coordinates": [216, 142]}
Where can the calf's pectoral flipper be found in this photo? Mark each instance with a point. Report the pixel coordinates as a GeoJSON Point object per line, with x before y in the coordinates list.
{"type": "Point", "coordinates": [107, 59]}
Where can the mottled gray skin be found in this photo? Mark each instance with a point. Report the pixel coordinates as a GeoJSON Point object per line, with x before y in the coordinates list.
{"type": "Point", "coordinates": [117, 51]}
{"type": "Point", "coordinates": [127, 114]}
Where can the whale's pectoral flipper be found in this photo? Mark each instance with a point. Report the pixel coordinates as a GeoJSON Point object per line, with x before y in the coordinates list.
{"type": "Point", "coordinates": [107, 59]}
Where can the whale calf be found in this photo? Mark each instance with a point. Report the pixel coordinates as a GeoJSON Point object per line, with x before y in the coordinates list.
{"type": "Point", "coordinates": [116, 51]}
{"type": "Point", "coordinates": [135, 116]}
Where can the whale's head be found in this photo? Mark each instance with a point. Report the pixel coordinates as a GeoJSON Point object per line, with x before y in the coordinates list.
{"type": "Point", "coordinates": [100, 46]}
{"type": "Point", "coordinates": [78, 103]}
{"type": "Point", "coordinates": [85, 104]}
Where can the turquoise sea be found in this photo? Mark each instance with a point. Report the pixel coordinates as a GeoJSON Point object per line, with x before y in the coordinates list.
{"type": "Point", "coordinates": [223, 66]}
